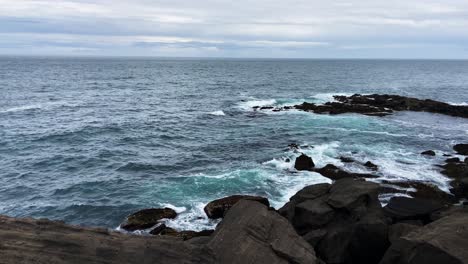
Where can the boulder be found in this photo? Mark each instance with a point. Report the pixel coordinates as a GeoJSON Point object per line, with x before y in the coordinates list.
{"type": "Point", "coordinates": [346, 159]}
{"type": "Point", "coordinates": [251, 233]}
{"type": "Point", "coordinates": [344, 221]}
{"type": "Point", "coordinates": [399, 230]}
{"type": "Point", "coordinates": [424, 190]}
{"type": "Point", "coordinates": [461, 149]}
{"type": "Point", "coordinates": [428, 153]}
{"type": "Point", "coordinates": [147, 218]}
{"type": "Point", "coordinates": [304, 162]}
{"type": "Point", "coordinates": [443, 241]}
{"type": "Point", "coordinates": [403, 208]}
{"type": "Point", "coordinates": [185, 234]}
{"type": "Point", "coordinates": [218, 208]}
{"type": "Point", "coordinates": [453, 160]}
{"type": "Point", "coordinates": [456, 170]}
{"type": "Point", "coordinates": [334, 173]}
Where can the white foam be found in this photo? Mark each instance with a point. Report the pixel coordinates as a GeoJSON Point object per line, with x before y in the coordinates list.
{"type": "Point", "coordinates": [459, 104]}
{"type": "Point", "coordinates": [48, 105]}
{"type": "Point", "coordinates": [218, 113]}
{"type": "Point", "coordinates": [248, 105]}
{"type": "Point", "coordinates": [178, 209]}
{"type": "Point", "coordinates": [194, 219]}
{"type": "Point", "coordinates": [280, 164]}
{"type": "Point", "coordinates": [328, 97]}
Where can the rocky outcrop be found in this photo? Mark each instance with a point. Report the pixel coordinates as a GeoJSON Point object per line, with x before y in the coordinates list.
{"type": "Point", "coordinates": [379, 105]}
{"type": "Point", "coordinates": [147, 218]}
{"type": "Point", "coordinates": [461, 149]}
{"type": "Point", "coordinates": [334, 173]}
{"type": "Point", "coordinates": [218, 208]}
{"type": "Point", "coordinates": [304, 162]}
{"type": "Point", "coordinates": [403, 208]}
{"type": "Point", "coordinates": [443, 241]}
{"type": "Point", "coordinates": [48, 242]}
{"type": "Point", "coordinates": [344, 221]}
{"type": "Point", "coordinates": [251, 233]}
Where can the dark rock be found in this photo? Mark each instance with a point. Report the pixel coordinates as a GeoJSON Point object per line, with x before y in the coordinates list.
{"type": "Point", "coordinates": [403, 208]}
{"type": "Point", "coordinates": [343, 221]}
{"type": "Point", "coordinates": [428, 153]}
{"type": "Point", "coordinates": [371, 165]}
{"type": "Point", "coordinates": [346, 159]}
{"type": "Point", "coordinates": [455, 170]}
{"type": "Point", "coordinates": [459, 188]}
{"type": "Point", "coordinates": [382, 105]}
{"type": "Point", "coordinates": [461, 149]}
{"type": "Point", "coordinates": [218, 208]}
{"type": "Point", "coordinates": [399, 230]}
{"type": "Point", "coordinates": [266, 107]}
{"type": "Point", "coordinates": [287, 160]}
{"type": "Point", "coordinates": [158, 229]}
{"type": "Point", "coordinates": [444, 241]}
{"type": "Point", "coordinates": [453, 160]}
{"type": "Point", "coordinates": [147, 218]}
{"type": "Point", "coordinates": [332, 172]}
{"type": "Point", "coordinates": [423, 190]}
{"type": "Point", "coordinates": [293, 146]}
{"type": "Point", "coordinates": [251, 233]}
{"type": "Point", "coordinates": [447, 155]}
{"type": "Point", "coordinates": [304, 162]}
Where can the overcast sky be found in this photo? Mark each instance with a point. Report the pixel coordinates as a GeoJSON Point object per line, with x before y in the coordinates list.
{"type": "Point", "coordinates": [237, 28]}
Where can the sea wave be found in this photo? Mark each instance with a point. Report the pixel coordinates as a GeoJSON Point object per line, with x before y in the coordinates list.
{"type": "Point", "coordinates": [39, 106]}
{"type": "Point", "coordinates": [218, 113]}
{"type": "Point", "coordinates": [248, 105]}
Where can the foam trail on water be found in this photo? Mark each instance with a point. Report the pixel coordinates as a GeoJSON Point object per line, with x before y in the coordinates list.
{"type": "Point", "coordinates": [218, 113]}
{"type": "Point", "coordinates": [248, 105]}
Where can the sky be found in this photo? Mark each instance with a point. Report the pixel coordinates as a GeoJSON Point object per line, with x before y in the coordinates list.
{"type": "Point", "coordinates": [240, 28]}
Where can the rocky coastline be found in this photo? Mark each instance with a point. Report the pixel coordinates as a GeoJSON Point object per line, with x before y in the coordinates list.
{"type": "Point", "coordinates": [343, 222]}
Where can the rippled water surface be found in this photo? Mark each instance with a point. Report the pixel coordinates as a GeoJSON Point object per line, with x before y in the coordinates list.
{"type": "Point", "coordinates": [90, 140]}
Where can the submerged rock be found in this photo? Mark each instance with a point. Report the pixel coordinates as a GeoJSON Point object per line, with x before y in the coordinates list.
{"type": "Point", "coordinates": [428, 153]}
{"type": "Point", "coordinates": [443, 241]}
{"type": "Point", "coordinates": [371, 165]}
{"type": "Point", "coordinates": [304, 162]}
{"type": "Point", "coordinates": [334, 173]}
{"type": "Point", "coordinates": [147, 218]}
{"type": "Point", "coordinates": [461, 149]}
{"type": "Point", "coordinates": [251, 233]}
{"type": "Point", "coordinates": [346, 159]}
{"type": "Point", "coordinates": [218, 208]}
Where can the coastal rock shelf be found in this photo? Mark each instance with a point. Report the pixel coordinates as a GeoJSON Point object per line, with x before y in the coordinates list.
{"type": "Point", "coordinates": [376, 105]}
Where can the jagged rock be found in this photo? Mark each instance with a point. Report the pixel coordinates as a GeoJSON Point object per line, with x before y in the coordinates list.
{"type": "Point", "coordinates": [158, 229]}
{"type": "Point", "coordinates": [343, 221]}
{"type": "Point", "coordinates": [332, 172]}
{"type": "Point", "coordinates": [444, 241]}
{"type": "Point", "coordinates": [382, 105]}
{"type": "Point", "coordinates": [461, 149]}
{"type": "Point", "coordinates": [423, 190]}
{"type": "Point", "coordinates": [251, 233]}
{"type": "Point", "coordinates": [403, 208]}
{"type": "Point", "coordinates": [49, 242]}
{"type": "Point", "coordinates": [371, 165]}
{"type": "Point", "coordinates": [428, 153]}
{"type": "Point", "coordinates": [147, 218]}
{"type": "Point", "coordinates": [304, 162]}
{"type": "Point", "coordinates": [185, 234]}
{"type": "Point", "coordinates": [218, 208]}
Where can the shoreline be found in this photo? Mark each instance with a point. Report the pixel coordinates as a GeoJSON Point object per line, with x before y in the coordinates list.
{"type": "Point", "coordinates": [342, 222]}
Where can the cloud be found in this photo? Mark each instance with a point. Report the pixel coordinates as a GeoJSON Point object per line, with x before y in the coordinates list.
{"type": "Point", "coordinates": [232, 28]}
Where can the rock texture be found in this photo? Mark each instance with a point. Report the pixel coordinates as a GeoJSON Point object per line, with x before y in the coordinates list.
{"type": "Point", "coordinates": [344, 221]}
{"type": "Point", "coordinates": [218, 208]}
{"type": "Point", "coordinates": [444, 241]}
{"type": "Point", "coordinates": [147, 218]}
{"type": "Point", "coordinates": [251, 233]}
{"type": "Point", "coordinates": [47, 242]}
{"type": "Point", "coordinates": [304, 162]}
{"type": "Point", "coordinates": [461, 149]}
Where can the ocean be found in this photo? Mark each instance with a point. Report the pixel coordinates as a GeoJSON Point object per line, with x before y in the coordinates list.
{"type": "Point", "coordinates": [91, 140]}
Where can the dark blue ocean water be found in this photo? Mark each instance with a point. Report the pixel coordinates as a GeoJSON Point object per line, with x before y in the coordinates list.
{"type": "Point", "coordinates": [90, 140]}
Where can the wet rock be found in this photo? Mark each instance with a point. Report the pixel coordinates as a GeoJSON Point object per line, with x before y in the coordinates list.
{"type": "Point", "coordinates": [147, 218]}
{"type": "Point", "coordinates": [346, 159]}
{"type": "Point", "coordinates": [266, 107]}
{"type": "Point", "coordinates": [461, 149]}
{"type": "Point", "coordinates": [428, 153]}
{"type": "Point", "coordinates": [459, 188]}
{"type": "Point", "coordinates": [371, 165]}
{"type": "Point", "coordinates": [287, 160]}
{"type": "Point", "coordinates": [218, 208]}
{"type": "Point", "coordinates": [443, 241]}
{"type": "Point", "coordinates": [453, 160]}
{"type": "Point", "coordinates": [382, 105]}
{"type": "Point", "coordinates": [332, 172]}
{"type": "Point", "coordinates": [251, 233]}
{"type": "Point", "coordinates": [304, 162]}
{"type": "Point", "coordinates": [456, 170]}
{"type": "Point", "coordinates": [293, 146]}
{"type": "Point", "coordinates": [158, 229]}
{"type": "Point", "coordinates": [403, 208]}
{"type": "Point", "coordinates": [422, 190]}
